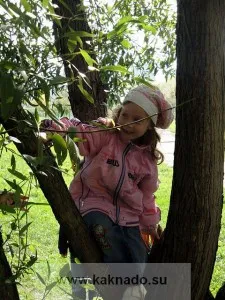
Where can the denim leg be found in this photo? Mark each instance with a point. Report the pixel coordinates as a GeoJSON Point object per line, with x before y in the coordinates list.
{"type": "Point", "coordinates": [136, 247]}
{"type": "Point", "coordinates": [109, 237]}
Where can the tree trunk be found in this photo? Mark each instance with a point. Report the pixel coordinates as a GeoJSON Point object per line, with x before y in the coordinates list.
{"type": "Point", "coordinates": [55, 190]}
{"type": "Point", "coordinates": [79, 104]}
{"type": "Point", "coordinates": [8, 290]}
{"type": "Point", "coordinates": [194, 218]}
{"type": "Point", "coordinates": [221, 293]}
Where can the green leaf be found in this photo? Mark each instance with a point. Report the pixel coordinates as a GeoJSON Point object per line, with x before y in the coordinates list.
{"type": "Point", "coordinates": [77, 261]}
{"type": "Point", "coordinates": [51, 286]}
{"type": "Point", "coordinates": [117, 68]}
{"type": "Point", "coordinates": [26, 5]}
{"type": "Point", "coordinates": [45, 3]}
{"type": "Point", "coordinates": [8, 65]}
{"type": "Point", "coordinates": [73, 153]}
{"type": "Point", "coordinates": [88, 286]}
{"type": "Point", "coordinates": [79, 140]}
{"type": "Point", "coordinates": [41, 278]}
{"type": "Point", "coordinates": [73, 42]}
{"type": "Point", "coordinates": [71, 132]}
{"type": "Point", "coordinates": [145, 82]}
{"type": "Point", "coordinates": [59, 80]}
{"type": "Point", "coordinates": [124, 20]}
{"type": "Point", "coordinates": [85, 93]}
{"type": "Point", "coordinates": [49, 270]}
{"type": "Point", "coordinates": [36, 114]}
{"type": "Point", "coordinates": [32, 120]}
{"type": "Point", "coordinates": [121, 26]}
{"type": "Point", "coordinates": [72, 34]}
{"type": "Point", "coordinates": [126, 44]}
{"type": "Point", "coordinates": [14, 186]}
{"type": "Point", "coordinates": [14, 9]}
{"type": "Point", "coordinates": [13, 225]}
{"type": "Point", "coordinates": [72, 45]}
{"type": "Point", "coordinates": [13, 162]}
{"type": "Point", "coordinates": [47, 111]}
{"type": "Point", "coordinates": [46, 89]}
{"type": "Point", "coordinates": [87, 58]}
{"type": "Point", "coordinates": [59, 147]}
{"type": "Point", "coordinates": [10, 96]}
{"type": "Point", "coordinates": [11, 250]}
{"type": "Point", "coordinates": [64, 271]}
{"type": "Point", "coordinates": [17, 174]}
{"type": "Point", "coordinates": [150, 28]}
{"type": "Point", "coordinates": [7, 208]}
{"type": "Point", "coordinates": [24, 228]}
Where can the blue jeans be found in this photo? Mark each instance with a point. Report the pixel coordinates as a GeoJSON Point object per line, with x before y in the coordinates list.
{"type": "Point", "coordinates": [119, 244]}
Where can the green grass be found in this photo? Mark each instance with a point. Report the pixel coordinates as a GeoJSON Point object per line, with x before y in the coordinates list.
{"type": "Point", "coordinates": [172, 127]}
{"type": "Point", "coordinates": [43, 237]}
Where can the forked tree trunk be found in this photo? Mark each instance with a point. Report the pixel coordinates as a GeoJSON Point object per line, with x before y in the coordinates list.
{"type": "Point", "coordinates": [197, 192]}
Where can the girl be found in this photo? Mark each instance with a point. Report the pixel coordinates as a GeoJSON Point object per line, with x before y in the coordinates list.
{"type": "Point", "coordinates": [114, 190]}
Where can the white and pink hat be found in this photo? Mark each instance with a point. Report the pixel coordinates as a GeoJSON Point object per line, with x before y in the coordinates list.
{"type": "Point", "coordinates": [154, 104]}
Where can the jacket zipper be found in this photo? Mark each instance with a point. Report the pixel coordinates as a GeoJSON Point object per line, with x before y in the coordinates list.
{"type": "Point", "coordinates": [120, 182]}
{"type": "Point", "coordinates": [81, 198]}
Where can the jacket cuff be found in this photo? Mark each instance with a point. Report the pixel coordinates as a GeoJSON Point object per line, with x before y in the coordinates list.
{"type": "Point", "coordinates": [147, 220]}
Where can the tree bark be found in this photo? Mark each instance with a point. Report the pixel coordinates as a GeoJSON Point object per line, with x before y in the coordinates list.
{"type": "Point", "coordinates": [194, 218]}
{"type": "Point", "coordinates": [79, 104]}
{"type": "Point", "coordinates": [8, 289]}
{"type": "Point", "coordinates": [221, 293]}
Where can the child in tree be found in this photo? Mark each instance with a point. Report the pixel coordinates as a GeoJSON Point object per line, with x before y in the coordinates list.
{"type": "Point", "coordinates": [114, 190]}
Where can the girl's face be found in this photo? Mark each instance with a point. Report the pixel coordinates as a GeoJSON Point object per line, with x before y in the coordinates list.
{"type": "Point", "coordinates": [131, 112]}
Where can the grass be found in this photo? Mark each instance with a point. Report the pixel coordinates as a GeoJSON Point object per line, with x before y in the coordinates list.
{"type": "Point", "coordinates": [43, 238]}
{"type": "Point", "coordinates": [172, 127]}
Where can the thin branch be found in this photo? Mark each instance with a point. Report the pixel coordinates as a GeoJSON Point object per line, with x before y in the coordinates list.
{"type": "Point", "coordinates": [104, 129]}
{"type": "Point", "coordinates": [118, 126]}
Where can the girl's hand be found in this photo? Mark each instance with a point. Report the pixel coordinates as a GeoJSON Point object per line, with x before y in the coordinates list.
{"type": "Point", "coordinates": [153, 231]}
{"type": "Point", "coordinates": [105, 121]}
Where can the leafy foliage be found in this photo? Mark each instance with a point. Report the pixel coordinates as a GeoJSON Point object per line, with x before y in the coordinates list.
{"type": "Point", "coordinates": [135, 39]}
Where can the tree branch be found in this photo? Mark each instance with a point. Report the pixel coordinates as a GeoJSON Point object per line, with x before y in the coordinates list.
{"type": "Point", "coordinates": [58, 196]}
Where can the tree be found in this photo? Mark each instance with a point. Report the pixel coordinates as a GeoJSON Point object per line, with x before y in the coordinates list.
{"type": "Point", "coordinates": [28, 76]}
{"type": "Point", "coordinates": [194, 218]}
{"type": "Point", "coordinates": [196, 129]}
{"type": "Point", "coordinates": [76, 64]}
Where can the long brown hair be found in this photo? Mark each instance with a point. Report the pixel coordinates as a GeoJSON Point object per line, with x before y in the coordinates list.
{"type": "Point", "coordinates": [151, 137]}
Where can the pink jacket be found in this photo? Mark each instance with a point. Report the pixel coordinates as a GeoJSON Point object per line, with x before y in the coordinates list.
{"type": "Point", "coordinates": [117, 178]}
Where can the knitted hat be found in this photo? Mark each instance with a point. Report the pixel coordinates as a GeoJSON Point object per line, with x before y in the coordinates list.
{"type": "Point", "coordinates": [153, 103]}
